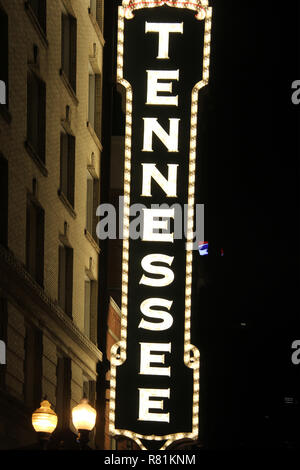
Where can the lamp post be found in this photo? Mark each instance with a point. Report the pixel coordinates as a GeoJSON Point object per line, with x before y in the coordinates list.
{"type": "Point", "coordinates": [44, 421]}
{"type": "Point", "coordinates": [84, 419]}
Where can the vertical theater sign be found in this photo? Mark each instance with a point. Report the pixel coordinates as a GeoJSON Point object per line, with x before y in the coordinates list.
{"type": "Point", "coordinates": [163, 63]}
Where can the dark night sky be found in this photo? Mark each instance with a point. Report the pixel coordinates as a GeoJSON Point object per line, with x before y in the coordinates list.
{"type": "Point", "coordinates": [249, 180]}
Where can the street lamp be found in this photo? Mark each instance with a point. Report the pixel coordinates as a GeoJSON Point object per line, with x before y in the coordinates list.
{"type": "Point", "coordinates": [44, 421]}
{"type": "Point", "coordinates": [84, 419]}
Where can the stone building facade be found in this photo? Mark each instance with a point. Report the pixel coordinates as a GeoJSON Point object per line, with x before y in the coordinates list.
{"type": "Point", "coordinates": [50, 157]}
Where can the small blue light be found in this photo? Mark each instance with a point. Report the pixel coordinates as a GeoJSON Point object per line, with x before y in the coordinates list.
{"type": "Point", "coordinates": [203, 248]}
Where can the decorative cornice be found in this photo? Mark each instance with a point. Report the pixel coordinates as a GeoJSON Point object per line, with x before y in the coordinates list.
{"type": "Point", "coordinates": [69, 326]}
{"type": "Point", "coordinates": [200, 6]}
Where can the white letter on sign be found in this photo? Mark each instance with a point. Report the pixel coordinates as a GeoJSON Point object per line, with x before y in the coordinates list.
{"type": "Point", "coordinates": [147, 358]}
{"type": "Point", "coordinates": [150, 224]}
{"type": "Point", "coordinates": [164, 30]}
{"type": "Point", "coordinates": [168, 185]}
{"type": "Point", "coordinates": [154, 86]}
{"type": "Point", "coordinates": [167, 319]}
{"type": "Point", "coordinates": [146, 404]}
{"type": "Point", "coordinates": [169, 140]}
{"type": "Point", "coordinates": [167, 273]}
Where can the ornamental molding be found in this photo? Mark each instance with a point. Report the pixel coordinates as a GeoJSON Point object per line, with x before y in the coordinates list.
{"type": "Point", "coordinates": [68, 325]}
{"type": "Point", "coordinates": [200, 6]}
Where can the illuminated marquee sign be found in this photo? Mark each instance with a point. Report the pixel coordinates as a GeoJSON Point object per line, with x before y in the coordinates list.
{"type": "Point", "coordinates": [163, 63]}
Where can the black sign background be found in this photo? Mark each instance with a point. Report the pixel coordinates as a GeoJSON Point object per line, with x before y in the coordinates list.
{"type": "Point", "coordinates": [186, 54]}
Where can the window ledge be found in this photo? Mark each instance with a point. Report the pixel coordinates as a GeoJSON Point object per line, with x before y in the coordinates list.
{"type": "Point", "coordinates": [31, 152]}
{"type": "Point", "coordinates": [92, 241]}
{"type": "Point", "coordinates": [49, 308]}
{"type": "Point", "coordinates": [67, 314]}
{"type": "Point", "coordinates": [67, 127]}
{"type": "Point", "coordinates": [94, 135]}
{"type": "Point", "coordinates": [66, 203]}
{"type": "Point", "coordinates": [36, 24]}
{"type": "Point", "coordinates": [68, 86]}
{"type": "Point", "coordinates": [5, 113]}
{"type": "Point", "coordinates": [97, 28]}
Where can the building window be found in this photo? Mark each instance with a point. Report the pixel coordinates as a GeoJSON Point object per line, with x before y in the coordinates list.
{"type": "Point", "coordinates": [69, 48]}
{"type": "Point", "coordinates": [97, 10]}
{"type": "Point", "coordinates": [3, 58]}
{"type": "Point", "coordinates": [36, 115]}
{"type": "Point", "coordinates": [39, 8]}
{"type": "Point", "coordinates": [89, 390]}
{"type": "Point", "coordinates": [65, 281]}
{"type": "Point", "coordinates": [3, 201]}
{"type": "Point", "coordinates": [35, 240]}
{"type": "Point", "coordinates": [90, 204]}
{"type": "Point", "coordinates": [3, 336]}
{"type": "Point", "coordinates": [63, 392]}
{"type": "Point", "coordinates": [33, 366]}
{"type": "Point", "coordinates": [67, 166]}
{"type": "Point", "coordinates": [95, 104]}
{"type": "Point", "coordinates": [88, 303]}
{"type": "Point", "coordinates": [92, 200]}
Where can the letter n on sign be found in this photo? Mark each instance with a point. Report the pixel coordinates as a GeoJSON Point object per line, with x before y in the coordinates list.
{"type": "Point", "coordinates": [163, 63]}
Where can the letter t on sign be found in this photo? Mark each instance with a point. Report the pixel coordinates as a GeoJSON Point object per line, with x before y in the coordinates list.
{"type": "Point", "coordinates": [164, 30]}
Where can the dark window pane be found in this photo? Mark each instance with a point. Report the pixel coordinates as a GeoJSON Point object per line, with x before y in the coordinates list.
{"type": "Point", "coordinates": [35, 6]}
{"type": "Point", "coordinates": [65, 44]}
{"type": "Point", "coordinates": [98, 104]}
{"type": "Point", "coordinates": [42, 120]}
{"type": "Point", "coordinates": [32, 110]}
{"type": "Point", "coordinates": [4, 57]}
{"type": "Point", "coordinates": [69, 281]}
{"type": "Point", "coordinates": [89, 390]}
{"type": "Point", "coordinates": [35, 241]}
{"type": "Point", "coordinates": [87, 308]}
{"type": "Point", "coordinates": [73, 51]}
{"type": "Point", "coordinates": [65, 280]}
{"type": "Point", "coordinates": [96, 201]}
{"type": "Point", "coordinates": [39, 7]}
{"type": "Point", "coordinates": [71, 169]}
{"type": "Point", "coordinates": [36, 114]}
{"type": "Point", "coordinates": [64, 163]}
{"type": "Point", "coordinates": [69, 48]}
{"type": "Point", "coordinates": [91, 116]}
{"type": "Point", "coordinates": [3, 200]}
{"type": "Point", "coordinates": [67, 166]}
{"type": "Point", "coordinates": [33, 366]}
{"type": "Point", "coordinates": [90, 203]}
{"type": "Point", "coordinates": [95, 102]}
{"type": "Point", "coordinates": [62, 278]}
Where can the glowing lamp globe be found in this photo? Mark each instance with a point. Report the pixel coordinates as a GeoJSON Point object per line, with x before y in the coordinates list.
{"type": "Point", "coordinates": [44, 419]}
{"type": "Point", "coordinates": [84, 416]}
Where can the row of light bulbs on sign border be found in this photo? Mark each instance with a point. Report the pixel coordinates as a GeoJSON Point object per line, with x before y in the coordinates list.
{"type": "Point", "coordinates": [118, 352]}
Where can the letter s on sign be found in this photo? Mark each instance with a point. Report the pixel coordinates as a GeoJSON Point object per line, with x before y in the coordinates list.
{"type": "Point", "coordinates": [296, 354]}
{"type": "Point", "coordinates": [296, 94]}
